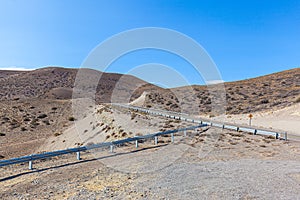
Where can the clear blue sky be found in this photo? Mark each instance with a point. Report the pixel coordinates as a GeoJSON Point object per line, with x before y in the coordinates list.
{"type": "Point", "coordinates": [244, 38]}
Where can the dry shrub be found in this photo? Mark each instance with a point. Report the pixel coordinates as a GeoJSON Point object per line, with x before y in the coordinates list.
{"type": "Point", "coordinates": [71, 118]}
{"type": "Point", "coordinates": [57, 134]}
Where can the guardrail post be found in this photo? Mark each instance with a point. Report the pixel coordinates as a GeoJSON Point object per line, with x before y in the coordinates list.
{"type": "Point", "coordinates": [285, 136]}
{"type": "Point", "coordinates": [30, 164]}
{"type": "Point", "coordinates": [184, 132]}
{"type": "Point", "coordinates": [111, 148]}
{"type": "Point", "coordinates": [255, 132]}
{"type": "Point", "coordinates": [155, 140]}
{"type": "Point", "coordinates": [136, 144]}
{"type": "Point", "coordinates": [172, 137]}
{"type": "Point", "coordinates": [78, 155]}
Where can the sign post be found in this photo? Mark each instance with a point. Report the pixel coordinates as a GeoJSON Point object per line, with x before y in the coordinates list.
{"type": "Point", "coordinates": [250, 118]}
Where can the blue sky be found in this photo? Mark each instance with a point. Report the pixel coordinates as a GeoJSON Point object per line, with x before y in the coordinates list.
{"type": "Point", "coordinates": [244, 38]}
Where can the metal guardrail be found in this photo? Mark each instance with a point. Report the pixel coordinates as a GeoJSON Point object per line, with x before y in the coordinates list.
{"type": "Point", "coordinates": [169, 114]}
{"type": "Point", "coordinates": [77, 150]}
{"type": "Point", "coordinates": [278, 134]}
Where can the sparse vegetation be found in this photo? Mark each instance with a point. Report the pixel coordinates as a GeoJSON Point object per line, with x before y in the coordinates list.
{"type": "Point", "coordinates": [34, 122]}
{"type": "Point", "coordinates": [26, 119]}
{"type": "Point", "coordinates": [212, 115]}
{"type": "Point", "coordinates": [46, 122]}
{"type": "Point", "coordinates": [264, 101]}
{"type": "Point", "coordinates": [42, 116]}
{"type": "Point", "coordinates": [57, 134]}
{"type": "Point", "coordinates": [230, 146]}
{"type": "Point", "coordinates": [71, 118]}
{"type": "Point", "coordinates": [133, 115]}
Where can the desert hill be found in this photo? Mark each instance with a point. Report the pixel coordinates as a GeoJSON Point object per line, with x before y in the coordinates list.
{"type": "Point", "coordinates": [6, 73]}
{"type": "Point", "coordinates": [261, 93]}
{"type": "Point", "coordinates": [35, 105]}
{"type": "Point", "coordinates": [36, 115]}
{"type": "Point", "coordinates": [276, 90]}
{"type": "Point", "coordinates": [57, 83]}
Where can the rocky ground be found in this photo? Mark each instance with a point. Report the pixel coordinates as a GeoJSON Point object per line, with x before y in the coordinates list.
{"type": "Point", "coordinates": [27, 124]}
{"type": "Point", "coordinates": [36, 115]}
{"type": "Point", "coordinates": [273, 91]}
{"type": "Point", "coordinates": [208, 164]}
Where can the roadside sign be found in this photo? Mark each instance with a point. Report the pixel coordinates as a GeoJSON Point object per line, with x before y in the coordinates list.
{"type": "Point", "coordinates": [250, 117]}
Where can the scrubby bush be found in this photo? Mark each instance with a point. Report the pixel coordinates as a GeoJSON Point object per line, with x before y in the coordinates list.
{"type": "Point", "coordinates": [46, 122]}
{"type": "Point", "coordinates": [264, 101]}
{"type": "Point", "coordinates": [57, 134]}
{"type": "Point", "coordinates": [71, 118]}
{"type": "Point", "coordinates": [34, 122]}
{"type": "Point", "coordinates": [26, 119]}
{"type": "Point", "coordinates": [42, 116]}
{"type": "Point", "coordinates": [133, 115]}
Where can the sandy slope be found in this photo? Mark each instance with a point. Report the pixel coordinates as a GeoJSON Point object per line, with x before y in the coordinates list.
{"type": "Point", "coordinates": [108, 124]}
{"type": "Point", "coordinates": [139, 101]}
{"type": "Point", "coordinates": [286, 119]}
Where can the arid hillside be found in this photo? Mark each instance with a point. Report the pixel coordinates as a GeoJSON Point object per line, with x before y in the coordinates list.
{"type": "Point", "coordinates": [36, 116]}
{"type": "Point", "coordinates": [6, 73]}
{"type": "Point", "coordinates": [263, 93]}
{"type": "Point", "coordinates": [36, 105]}
{"type": "Point", "coordinates": [57, 83]}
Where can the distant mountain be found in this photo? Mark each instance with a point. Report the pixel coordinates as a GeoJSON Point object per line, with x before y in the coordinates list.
{"type": "Point", "coordinates": [6, 73]}
{"type": "Point", "coordinates": [261, 93]}
{"type": "Point", "coordinates": [58, 83]}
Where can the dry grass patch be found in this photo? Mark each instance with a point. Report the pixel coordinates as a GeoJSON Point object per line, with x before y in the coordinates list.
{"type": "Point", "coordinates": [238, 134]}
{"type": "Point", "coordinates": [57, 134]}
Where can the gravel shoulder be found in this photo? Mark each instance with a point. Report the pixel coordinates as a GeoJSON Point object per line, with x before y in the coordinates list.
{"type": "Point", "coordinates": [208, 164]}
